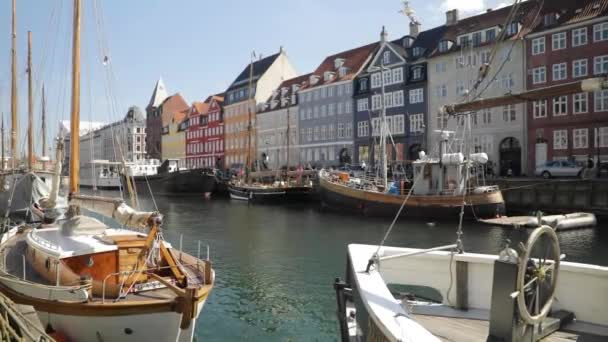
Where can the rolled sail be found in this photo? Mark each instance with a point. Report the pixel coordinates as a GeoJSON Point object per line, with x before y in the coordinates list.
{"type": "Point", "coordinates": [115, 208]}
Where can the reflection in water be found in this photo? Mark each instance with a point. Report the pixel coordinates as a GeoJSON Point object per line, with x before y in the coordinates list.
{"type": "Point", "coordinates": [275, 265]}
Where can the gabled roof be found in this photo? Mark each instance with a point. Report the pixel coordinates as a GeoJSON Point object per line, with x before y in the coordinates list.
{"type": "Point", "coordinates": [427, 40]}
{"type": "Point", "coordinates": [199, 108]}
{"type": "Point", "coordinates": [158, 95]}
{"type": "Point", "coordinates": [174, 108]}
{"type": "Point", "coordinates": [259, 68]}
{"type": "Point", "coordinates": [354, 60]}
{"type": "Point", "coordinates": [569, 12]}
{"type": "Point", "coordinates": [302, 81]}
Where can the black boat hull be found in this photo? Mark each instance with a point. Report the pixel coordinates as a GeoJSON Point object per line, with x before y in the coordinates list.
{"type": "Point", "coordinates": [195, 181]}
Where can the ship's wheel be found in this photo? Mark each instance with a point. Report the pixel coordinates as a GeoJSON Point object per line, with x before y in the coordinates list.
{"type": "Point", "coordinates": [537, 275]}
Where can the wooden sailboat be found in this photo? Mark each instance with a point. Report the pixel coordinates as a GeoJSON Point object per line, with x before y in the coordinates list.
{"type": "Point", "coordinates": [92, 282]}
{"type": "Point", "coordinates": [281, 187]}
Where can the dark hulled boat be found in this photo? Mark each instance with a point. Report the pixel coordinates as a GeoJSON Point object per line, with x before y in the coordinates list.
{"type": "Point", "coordinates": [170, 179]}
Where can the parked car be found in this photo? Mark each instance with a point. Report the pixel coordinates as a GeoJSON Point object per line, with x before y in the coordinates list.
{"type": "Point", "coordinates": [558, 168]}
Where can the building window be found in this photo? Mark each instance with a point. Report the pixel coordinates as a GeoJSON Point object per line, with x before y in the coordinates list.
{"type": "Point", "coordinates": [486, 116]}
{"type": "Point", "coordinates": [490, 35]}
{"type": "Point", "coordinates": [302, 114]}
{"type": "Point", "coordinates": [512, 28]}
{"type": "Point", "coordinates": [559, 72]}
{"type": "Point", "coordinates": [323, 111]}
{"type": "Point", "coordinates": [340, 108]}
{"type": "Point", "coordinates": [376, 80]}
{"type": "Point", "coordinates": [363, 84]}
{"type": "Point", "coordinates": [459, 62]}
{"type": "Point", "coordinates": [388, 100]}
{"type": "Point", "coordinates": [579, 36]}
{"type": "Point", "coordinates": [558, 41]}
{"type": "Point", "coordinates": [580, 138]}
{"type": "Point", "coordinates": [441, 90]}
{"type": "Point", "coordinates": [316, 112]}
{"type": "Point", "coordinates": [362, 105]}
{"type": "Point", "coordinates": [348, 89]}
{"type": "Point", "coordinates": [441, 67]}
{"type": "Point", "coordinates": [316, 133]}
{"type": "Point", "coordinates": [508, 113]}
{"type": "Point", "coordinates": [601, 100]}
{"type": "Point", "coordinates": [464, 41]}
{"type": "Point", "coordinates": [600, 65]}
{"type": "Point", "coordinates": [416, 123]}
{"type": "Point", "coordinates": [342, 71]}
{"type": "Point", "coordinates": [340, 130]}
{"type": "Point", "coordinates": [539, 109]}
{"type": "Point", "coordinates": [330, 91]}
{"type": "Point", "coordinates": [579, 68]}
{"type": "Point", "coordinates": [386, 57]}
{"type": "Point", "coordinates": [363, 128]}
{"type": "Point", "coordinates": [507, 81]}
{"type": "Point", "coordinates": [484, 56]}
{"type": "Point", "coordinates": [601, 139]}
{"type": "Point", "coordinates": [560, 139]}
{"type": "Point", "coordinates": [416, 73]}
{"type": "Point", "coordinates": [331, 109]}
{"type": "Point", "coordinates": [538, 45]}
{"type": "Point", "coordinates": [323, 92]}
{"type": "Point", "coordinates": [388, 77]}
{"type": "Point", "coordinates": [560, 105]}
{"type": "Point", "coordinates": [580, 103]}
{"type": "Point", "coordinates": [476, 38]}
{"type": "Point", "coordinates": [376, 102]}
{"type": "Point", "coordinates": [417, 95]}
{"type": "Point", "coordinates": [600, 32]}
{"type": "Point", "coordinates": [417, 51]}
{"type": "Point", "coordinates": [539, 75]}
{"type": "Point", "coordinates": [348, 107]}
{"type": "Point", "coordinates": [323, 132]}
{"type": "Point", "coordinates": [398, 75]}
{"type": "Point", "coordinates": [443, 46]}
{"type": "Point", "coordinates": [398, 98]}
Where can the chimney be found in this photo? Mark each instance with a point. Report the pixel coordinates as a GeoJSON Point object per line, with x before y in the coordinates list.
{"type": "Point", "coordinates": [414, 28]}
{"type": "Point", "coordinates": [383, 35]}
{"type": "Point", "coordinates": [451, 17]}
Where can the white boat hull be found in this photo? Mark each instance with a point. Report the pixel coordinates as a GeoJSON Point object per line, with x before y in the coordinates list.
{"type": "Point", "coordinates": [164, 326]}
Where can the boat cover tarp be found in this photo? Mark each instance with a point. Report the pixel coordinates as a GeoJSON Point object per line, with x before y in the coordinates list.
{"type": "Point", "coordinates": [115, 208]}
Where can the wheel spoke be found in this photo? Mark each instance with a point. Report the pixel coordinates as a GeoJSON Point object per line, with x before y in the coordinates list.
{"type": "Point", "coordinates": [530, 283]}
{"type": "Point", "coordinates": [537, 294]}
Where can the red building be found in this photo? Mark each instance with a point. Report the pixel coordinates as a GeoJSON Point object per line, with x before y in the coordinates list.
{"type": "Point", "coordinates": [205, 134]}
{"type": "Point", "coordinates": [568, 43]}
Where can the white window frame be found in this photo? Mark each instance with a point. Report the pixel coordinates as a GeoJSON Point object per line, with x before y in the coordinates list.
{"type": "Point", "coordinates": [398, 99]}
{"type": "Point", "coordinates": [560, 105]}
{"type": "Point", "coordinates": [376, 80]}
{"type": "Point", "coordinates": [539, 109]}
{"type": "Point", "coordinates": [579, 36]}
{"type": "Point", "coordinates": [583, 100]}
{"type": "Point", "coordinates": [376, 102]}
{"type": "Point", "coordinates": [558, 41]}
{"type": "Point", "coordinates": [538, 46]}
{"type": "Point", "coordinates": [601, 136]}
{"type": "Point", "coordinates": [386, 57]}
{"type": "Point", "coordinates": [560, 139]}
{"type": "Point", "coordinates": [580, 138]}
{"type": "Point", "coordinates": [417, 123]}
{"type": "Point", "coordinates": [539, 75]}
{"type": "Point", "coordinates": [601, 100]}
{"type": "Point", "coordinates": [600, 65]}
{"type": "Point", "coordinates": [362, 104]}
{"type": "Point", "coordinates": [600, 32]}
{"type": "Point", "coordinates": [560, 71]}
{"type": "Point", "coordinates": [416, 95]}
{"type": "Point", "coordinates": [397, 124]}
{"type": "Point", "coordinates": [578, 66]}
{"type": "Point", "coordinates": [363, 129]}
{"type": "Point", "coordinates": [398, 75]}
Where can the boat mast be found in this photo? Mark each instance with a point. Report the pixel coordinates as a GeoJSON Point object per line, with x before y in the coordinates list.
{"type": "Point", "coordinates": [2, 143]}
{"type": "Point", "coordinates": [43, 128]}
{"type": "Point", "coordinates": [249, 128]}
{"type": "Point", "coordinates": [14, 123]}
{"type": "Point", "coordinates": [30, 105]}
{"type": "Point", "coordinates": [288, 128]}
{"type": "Point", "coordinates": [75, 111]}
{"type": "Point", "coordinates": [383, 132]}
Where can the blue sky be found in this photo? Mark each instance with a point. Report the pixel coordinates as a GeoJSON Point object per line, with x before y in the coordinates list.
{"type": "Point", "coordinates": [197, 46]}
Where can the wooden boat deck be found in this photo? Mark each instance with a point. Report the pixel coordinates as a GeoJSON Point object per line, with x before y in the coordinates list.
{"type": "Point", "coordinates": [449, 329]}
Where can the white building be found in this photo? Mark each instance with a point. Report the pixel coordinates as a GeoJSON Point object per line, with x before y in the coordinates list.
{"type": "Point", "coordinates": [453, 70]}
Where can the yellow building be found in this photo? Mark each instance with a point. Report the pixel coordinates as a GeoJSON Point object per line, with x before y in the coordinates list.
{"type": "Point", "coordinates": [240, 105]}
{"type": "Point", "coordinates": [174, 113]}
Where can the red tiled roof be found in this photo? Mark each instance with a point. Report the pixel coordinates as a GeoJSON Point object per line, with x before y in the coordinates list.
{"type": "Point", "coordinates": [199, 108]}
{"type": "Point", "coordinates": [174, 108]}
{"type": "Point", "coordinates": [568, 11]}
{"type": "Point", "coordinates": [353, 61]}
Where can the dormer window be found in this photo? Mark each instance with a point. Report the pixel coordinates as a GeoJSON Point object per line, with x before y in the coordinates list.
{"type": "Point", "coordinates": [293, 98]}
{"type": "Point", "coordinates": [342, 71]}
{"type": "Point", "coordinates": [550, 19]}
{"type": "Point", "coordinates": [338, 62]}
{"type": "Point", "coordinates": [464, 41]}
{"type": "Point", "coordinates": [284, 91]}
{"type": "Point", "coordinates": [294, 88]}
{"type": "Point", "coordinates": [313, 79]}
{"type": "Point", "coordinates": [386, 57]}
{"type": "Point", "coordinates": [512, 28]}
{"type": "Point", "coordinates": [417, 51]}
{"type": "Point", "coordinates": [284, 101]}
{"type": "Point", "coordinates": [273, 104]}
{"type": "Point", "coordinates": [444, 45]}
{"type": "Point", "coordinates": [490, 35]}
{"type": "Point", "coordinates": [407, 42]}
{"type": "Point", "coordinates": [328, 76]}
{"type": "Point", "coordinates": [476, 38]}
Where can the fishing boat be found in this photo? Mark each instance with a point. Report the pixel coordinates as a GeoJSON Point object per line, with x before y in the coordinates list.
{"type": "Point", "coordinates": [92, 282]}
{"type": "Point", "coordinates": [171, 179]}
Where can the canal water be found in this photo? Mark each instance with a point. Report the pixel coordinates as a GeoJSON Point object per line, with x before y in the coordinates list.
{"type": "Point", "coordinates": [275, 265]}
